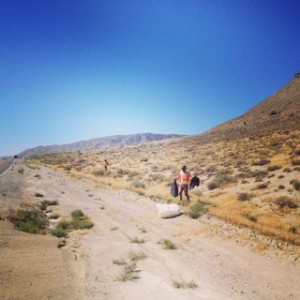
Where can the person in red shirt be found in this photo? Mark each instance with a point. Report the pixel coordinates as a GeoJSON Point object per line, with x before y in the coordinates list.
{"type": "Point", "coordinates": [106, 164]}
{"type": "Point", "coordinates": [184, 178]}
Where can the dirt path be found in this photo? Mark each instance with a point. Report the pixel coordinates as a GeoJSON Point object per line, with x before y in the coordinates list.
{"type": "Point", "coordinates": [221, 269]}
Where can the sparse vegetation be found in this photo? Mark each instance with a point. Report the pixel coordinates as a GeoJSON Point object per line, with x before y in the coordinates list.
{"type": "Point", "coordinates": [167, 244]}
{"type": "Point", "coordinates": [137, 240]}
{"type": "Point", "coordinates": [45, 203]}
{"type": "Point", "coordinates": [285, 201]}
{"type": "Point", "coordinates": [128, 273]}
{"type": "Point", "coordinates": [196, 210]}
{"type": "Point", "coordinates": [244, 197]}
{"type": "Point", "coordinates": [296, 185]}
{"type": "Point", "coordinates": [136, 256]}
{"type": "Point", "coordinates": [79, 221]}
{"type": "Point", "coordinates": [38, 195]}
{"type": "Point", "coordinates": [31, 221]}
{"type": "Point", "coordinates": [182, 284]}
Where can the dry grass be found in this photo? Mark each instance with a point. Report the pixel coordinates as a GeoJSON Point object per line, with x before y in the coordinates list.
{"type": "Point", "coordinates": [258, 166]}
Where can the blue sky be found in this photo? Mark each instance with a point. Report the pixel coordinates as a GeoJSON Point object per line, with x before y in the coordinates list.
{"type": "Point", "coordinates": [75, 70]}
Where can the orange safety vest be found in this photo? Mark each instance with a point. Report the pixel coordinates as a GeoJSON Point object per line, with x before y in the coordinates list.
{"type": "Point", "coordinates": [184, 177]}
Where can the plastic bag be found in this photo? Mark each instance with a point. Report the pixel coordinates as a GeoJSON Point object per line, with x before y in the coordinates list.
{"type": "Point", "coordinates": [174, 189]}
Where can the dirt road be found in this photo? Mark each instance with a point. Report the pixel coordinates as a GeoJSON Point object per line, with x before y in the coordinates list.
{"type": "Point", "coordinates": [217, 260]}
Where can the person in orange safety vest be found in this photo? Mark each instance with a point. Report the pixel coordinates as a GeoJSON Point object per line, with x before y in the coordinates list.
{"type": "Point", "coordinates": [184, 178]}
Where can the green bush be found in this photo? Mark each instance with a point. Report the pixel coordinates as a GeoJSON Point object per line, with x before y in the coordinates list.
{"type": "Point", "coordinates": [59, 232]}
{"type": "Point", "coordinates": [167, 244]}
{"type": "Point", "coordinates": [138, 184]}
{"type": "Point", "coordinates": [44, 204]}
{"type": "Point", "coordinates": [195, 210]}
{"type": "Point", "coordinates": [32, 221]}
{"type": "Point", "coordinates": [77, 214]}
{"type": "Point", "coordinates": [80, 221]}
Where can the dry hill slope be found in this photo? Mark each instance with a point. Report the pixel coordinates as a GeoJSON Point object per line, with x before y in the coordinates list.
{"type": "Point", "coordinates": [281, 111]}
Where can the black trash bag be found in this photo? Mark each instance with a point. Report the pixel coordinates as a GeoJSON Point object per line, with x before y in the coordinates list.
{"type": "Point", "coordinates": [174, 189]}
{"type": "Point", "coordinates": [195, 181]}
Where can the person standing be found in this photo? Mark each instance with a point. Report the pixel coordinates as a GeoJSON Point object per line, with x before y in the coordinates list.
{"type": "Point", "coordinates": [106, 164]}
{"type": "Point", "coordinates": [184, 178]}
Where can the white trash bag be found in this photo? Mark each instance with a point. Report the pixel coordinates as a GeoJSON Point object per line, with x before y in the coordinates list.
{"type": "Point", "coordinates": [168, 210]}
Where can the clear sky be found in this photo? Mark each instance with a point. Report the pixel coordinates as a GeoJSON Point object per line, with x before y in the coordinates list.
{"type": "Point", "coordinates": [72, 70]}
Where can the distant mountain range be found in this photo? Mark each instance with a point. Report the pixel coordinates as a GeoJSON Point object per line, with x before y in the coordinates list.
{"type": "Point", "coordinates": [99, 143]}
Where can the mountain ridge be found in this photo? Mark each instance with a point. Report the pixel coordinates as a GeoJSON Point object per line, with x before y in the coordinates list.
{"type": "Point", "coordinates": [99, 143]}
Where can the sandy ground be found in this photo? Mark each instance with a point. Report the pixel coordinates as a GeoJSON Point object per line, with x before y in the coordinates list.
{"type": "Point", "coordinates": [223, 261]}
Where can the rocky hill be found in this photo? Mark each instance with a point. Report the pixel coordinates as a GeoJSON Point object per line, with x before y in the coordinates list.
{"type": "Point", "coordinates": [281, 111]}
{"type": "Point", "coordinates": [99, 143]}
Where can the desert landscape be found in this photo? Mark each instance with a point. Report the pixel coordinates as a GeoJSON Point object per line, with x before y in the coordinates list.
{"type": "Point", "coordinates": [100, 236]}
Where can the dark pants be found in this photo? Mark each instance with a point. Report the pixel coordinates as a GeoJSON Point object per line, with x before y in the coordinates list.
{"type": "Point", "coordinates": [184, 188]}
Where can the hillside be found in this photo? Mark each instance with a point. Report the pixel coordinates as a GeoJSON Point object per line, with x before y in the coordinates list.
{"type": "Point", "coordinates": [281, 111]}
{"type": "Point", "coordinates": [98, 143]}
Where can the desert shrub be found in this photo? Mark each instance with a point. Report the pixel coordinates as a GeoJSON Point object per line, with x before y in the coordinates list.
{"type": "Point", "coordinates": [182, 284]}
{"type": "Point", "coordinates": [250, 217]}
{"type": "Point", "coordinates": [54, 216]}
{"type": "Point", "coordinates": [77, 214]}
{"type": "Point", "coordinates": [220, 181]}
{"type": "Point", "coordinates": [80, 221]}
{"type": "Point", "coordinates": [262, 186]}
{"type": "Point", "coordinates": [38, 195]}
{"type": "Point", "coordinates": [293, 229]}
{"type": "Point", "coordinates": [129, 272]}
{"type": "Point", "coordinates": [195, 210]}
{"type": "Point", "coordinates": [259, 173]}
{"type": "Point", "coordinates": [98, 172]}
{"type": "Point", "coordinates": [223, 171]}
{"type": "Point", "coordinates": [156, 177]}
{"type": "Point", "coordinates": [21, 170]}
{"type": "Point", "coordinates": [281, 187]}
{"type": "Point", "coordinates": [296, 162]}
{"type": "Point", "coordinates": [32, 221]}
{"type": "Point", "coordinates": [137, 240]}
{"type": "Point", "coordinates": [244, 197]}
{"type": "Point", "coordinates": [144, 160]}
{"type": "Point", "coordinates": [44, 204]}
{"type": "Point", "coordinates": [211, 169]}
{"type": "Point", "coordinates": [132, 174]}
{"type": "Point", "coordinates": [245, 173]}
{"type": "Point", "coordinates": [138, 184]}
{"type": "Point", "coordinates": [284, 201]}
{"type": "Point", "coordinates": [287, 170]}
{"type": "Point", "coordinates": [135, 256]}
{"type": "Point", "coordinates": [212, 185]}
{"type": "Point", "coordinates": [59, 232]}
{"type": "Point", "coordinates": [296, 184]}
{"type": "Point", "coordinates": [273, 168]}
{"type": "Point", "coordinates": [167, 244]}
{"type": "Point", "coordinates": [260, 162]}
{"type": "Point", "coordinates": [297, 152]}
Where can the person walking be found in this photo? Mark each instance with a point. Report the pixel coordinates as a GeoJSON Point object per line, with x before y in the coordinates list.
{"type": "Point", "coordinates": [184, 178]}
